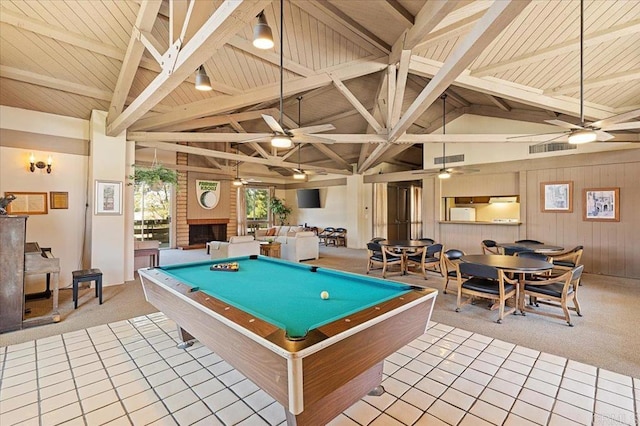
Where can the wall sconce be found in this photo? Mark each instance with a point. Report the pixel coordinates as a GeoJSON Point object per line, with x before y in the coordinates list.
{"type": "Point", "coordinates": [40, 164]}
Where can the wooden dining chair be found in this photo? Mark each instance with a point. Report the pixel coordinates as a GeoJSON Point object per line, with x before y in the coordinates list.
{"type": "Point", "coordinates": [530, 241]}
{"type": "Point", "coordinates": [374, 256]}
{"type": "Point", "coordinates": [486, 282]}
{"type": "Point", "coordinates": [490, 247]}
{"type": "Point", "coordinates": [325, 234]}
{"type": "Point", "coordinates": [428, 259]}
{"type": "Point", "coordinates": [450, 262]}
{"type": "Point", "coordinates": [568, 260]}
{"type": "Point", "coordinates": [556, 291]}
{"type": "Point", "coordinates": [390, 258]}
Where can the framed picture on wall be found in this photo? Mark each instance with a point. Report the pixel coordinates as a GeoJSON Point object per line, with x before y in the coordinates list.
{"type": "Point", "coordinates": [556, 197]}
{"type": "Point", "coordinates": [601, 204]}
{"type": "Point", "coordinates": [27, 203]}
{"type": "Point", "coordinates": [59, 200]}
{"type": "Point", "coordinates": [108, 197]}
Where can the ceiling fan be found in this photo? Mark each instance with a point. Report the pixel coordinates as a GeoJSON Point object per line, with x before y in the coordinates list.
{"type": "Point", "coordinates": [282, 137]}
{"type": "Point", "coordinates": [597, 130]}
{"type": "Point", "coordinates": [445, 172]}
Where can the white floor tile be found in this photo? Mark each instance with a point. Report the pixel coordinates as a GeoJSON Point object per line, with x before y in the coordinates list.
{"type": "Point", "coordinates": [488, 412]}
{"type": "Point", "coordinates": [362, 412]}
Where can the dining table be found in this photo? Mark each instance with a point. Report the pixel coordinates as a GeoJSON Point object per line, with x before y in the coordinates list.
{"type": "Point", "coordinates": [535, 247]}
{"type": "Point", "coordinates": [404, 248]}
{"type": "Point", "coordinates": [514, 264]}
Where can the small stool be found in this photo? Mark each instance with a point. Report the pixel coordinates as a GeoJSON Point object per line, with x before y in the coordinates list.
{"type": "Point", "coordinates": [83, 276]}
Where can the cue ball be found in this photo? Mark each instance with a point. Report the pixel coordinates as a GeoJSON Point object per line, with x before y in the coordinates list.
{"type": "Point", "coordinates": [324, 295]}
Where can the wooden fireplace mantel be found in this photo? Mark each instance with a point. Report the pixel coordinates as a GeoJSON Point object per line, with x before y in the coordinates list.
{"type": "Point", "coordinates": [207, 221]}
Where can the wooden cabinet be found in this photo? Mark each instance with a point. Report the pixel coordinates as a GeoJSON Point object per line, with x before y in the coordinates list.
{"type": "Point", "coordinates": [12, 238]}
{"type": "Point", "coordinates": [472, 200]}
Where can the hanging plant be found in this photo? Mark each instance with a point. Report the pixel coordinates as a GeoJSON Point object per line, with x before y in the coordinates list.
{"type": "Point", "coordinates": [154, 175]}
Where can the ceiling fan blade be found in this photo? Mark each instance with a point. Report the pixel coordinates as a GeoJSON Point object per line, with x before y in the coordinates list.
{"type": "Point", "coordinates": [425, 172]}
{"type": "Point", "coordinates": [603, 136]}
{"type": "Point", "coordinates": [535, 134]}
{"type": "Point", "coordinates": [256, 139]}
{"type": "Point", "coordinates": [313, 129]}
{"type": "Point", "coordinates": [273, 123]}
{"type": "Point", "coordinates": [632, 125]}
{"type": "Point", "coordinates": [551, 140]}
{"type": "Point", "coordinates": [563, 124]}
{"type": "Point", "coordinates": [302, 138]}
{"type": "Point", "coordinates": [601, 124]}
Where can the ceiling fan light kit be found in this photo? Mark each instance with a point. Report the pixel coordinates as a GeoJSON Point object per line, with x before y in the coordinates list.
{"type": "Point", "coordinates": [444, 175]}
{"type": "Point", "coordinates": [300, 175]}
{"type": "Point", "coordinates": [582, 136]}
{"type": "Point", "coordinates": [237, 182]}
{"type": "Point", "coordinates": [262, 36]}
{"type": "Point", "coordinates": [281, 141]}
{"type": "Point", "coordinates": [202, 80]}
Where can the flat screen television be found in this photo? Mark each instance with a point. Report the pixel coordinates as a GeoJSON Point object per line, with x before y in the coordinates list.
{"type": "Point", "coordinates": [308, 198]}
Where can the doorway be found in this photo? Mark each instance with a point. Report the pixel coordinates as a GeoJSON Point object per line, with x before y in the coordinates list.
{"type": "Point", "coordinates": [152, 213]}
{"type": "Point", "coordinates": [404, 210]}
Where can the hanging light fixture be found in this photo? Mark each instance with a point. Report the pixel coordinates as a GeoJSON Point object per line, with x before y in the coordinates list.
{"type": "Point", "coordinates": [281, 140]}
{"type": "Point", "coordinates": [202, 80]}
{"type": "Point", "coordinates": [299, 174]}
{"type": "Point", "coordinates": [444, 174]}
{"type": "Point", "coordinates": [587, 135]}
{"type": "Point", "coordinates": [237, 181]}
{"type": "Point", "coordinates": [262, 37]}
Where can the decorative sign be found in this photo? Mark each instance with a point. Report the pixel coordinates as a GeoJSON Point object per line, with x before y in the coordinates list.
{"type": "Point", "coordinates": [208, 193]}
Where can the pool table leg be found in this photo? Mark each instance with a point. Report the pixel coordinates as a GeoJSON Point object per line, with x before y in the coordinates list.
{"type": "Point", "coordinates": [187, 339]}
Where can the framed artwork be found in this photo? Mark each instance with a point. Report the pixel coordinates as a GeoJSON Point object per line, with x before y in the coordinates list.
{"type": "Point", "coordinates": [28, 203]}
{"type": "Point", "coordinates": [59, 200]}
{"type": "Point", "coordinates": [556, 197]}
{"type": "Point", "coordinates": [602, 204]}
{"type": "Point", "coordinates": [108, 197]}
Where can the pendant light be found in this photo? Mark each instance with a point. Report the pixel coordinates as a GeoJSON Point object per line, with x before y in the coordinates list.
{"type": "Point", "coordinates": [237, 181]}
{"type": "Point", "coordinates": [582, 135]}
{"type": "Point", "coordinates": [202, 80]}
{"type": "Point", "coordinates": [299, 174]}
{"type": "Point", "coordinates": [281, 141]}
{"type": "Point", "coordinates": [262, 36]}
{"type": "Point", "coordinates": [444, 174]}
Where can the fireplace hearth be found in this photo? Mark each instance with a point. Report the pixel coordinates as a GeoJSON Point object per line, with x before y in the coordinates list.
{"type": "Point", "coordinates": [203, 233]}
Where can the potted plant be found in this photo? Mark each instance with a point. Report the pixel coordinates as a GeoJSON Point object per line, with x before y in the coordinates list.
{"type": "Point", "coordinates": [279, 209]}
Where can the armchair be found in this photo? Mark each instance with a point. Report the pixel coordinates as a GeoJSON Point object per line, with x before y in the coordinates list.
{"type": "Point", "coordinates": [489, 283]}
{"type": "Point", "coordinates": [243, 245]}
{"type": "Point", "coordinates": [325, 234]}
{"type": "Point", "coordinates": [450, 262]}
{"type": "Point", "coordinates": [567, 260]}
{"type": "Point", "coordinates": [530, 241]}
{"type": "Point", "coordinates": [555, 291]}
{"type": "Point", "coordinates": [490, 247]}
{"type": "Point", "coordinates": [428, 259]}
{"type": "Point", "coordinates": [389, 258]}
{"type": "Point", "coordinates": [338, 238]}
{"type": "Point", "coordinates": [374, 255]}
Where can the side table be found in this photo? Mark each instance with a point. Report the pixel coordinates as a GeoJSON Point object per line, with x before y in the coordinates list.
{"type": "Point", "coordinates": [270, 249]}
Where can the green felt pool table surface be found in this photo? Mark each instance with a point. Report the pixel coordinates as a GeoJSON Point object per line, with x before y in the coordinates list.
{"type": "Point", "coordinates": [285, 294]}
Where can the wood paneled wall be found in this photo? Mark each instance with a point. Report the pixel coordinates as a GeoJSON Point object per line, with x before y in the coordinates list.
{"type": "Point", "coordinates": [610, 248]}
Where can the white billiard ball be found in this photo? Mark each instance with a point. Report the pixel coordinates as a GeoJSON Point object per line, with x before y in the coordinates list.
{"type": "Point", "coordinates": [324, 295]}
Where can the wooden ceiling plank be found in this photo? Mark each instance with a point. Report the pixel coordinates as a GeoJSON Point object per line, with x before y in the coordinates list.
{"type": "Point", "coordinates": [273, 58]}
{"type": "Point", "coordinates": [498, 17]}
{"type": "Point", "coordinates": [402, 14]}
{"type": "Point", "coordinates": [263, 94]}
{"type": "Point", "coordinates": [218, 120]}
{"type": "Point", "coordinates": [510, 91]}
{"type": "Point", "coordinates": [356, 104]}
{"type": "Point", "coordinates": [177, 14]}
{"type": "Point", "coordinates": [606, 80]}
{"type": "Point", "coordinates": [144, 23]}
{"type": "Point", "coordinates": [227, 20]}
{"type": "Point", "coordinates": [498, 102]}
{"type": "Point", "coordinates": [628, 28]}
{"type": "Point", "coordinates": [335, 19]}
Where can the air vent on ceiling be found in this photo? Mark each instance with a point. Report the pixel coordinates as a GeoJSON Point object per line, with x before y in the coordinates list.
{"type": "Point", "coordinates": [550, 147]}
{"type": "Point", "coordinates": [450, 159]}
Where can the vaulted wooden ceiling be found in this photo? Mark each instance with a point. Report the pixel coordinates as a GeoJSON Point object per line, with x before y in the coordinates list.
{"type": "Point", "coordinates": [375, 69]}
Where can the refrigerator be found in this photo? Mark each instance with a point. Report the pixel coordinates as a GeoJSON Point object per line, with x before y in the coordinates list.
{"type": "Point", "coordinates": [462, 213]}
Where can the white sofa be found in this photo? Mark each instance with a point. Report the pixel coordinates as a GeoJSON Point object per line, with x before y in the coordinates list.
{"type": "Point", "coordinates": [296, 244]}
{"type": "Point", "coordinates": [242, 245]}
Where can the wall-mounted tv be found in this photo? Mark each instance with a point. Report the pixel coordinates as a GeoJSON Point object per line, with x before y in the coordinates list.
{"type": "Point", "coordinates": [308, 198]}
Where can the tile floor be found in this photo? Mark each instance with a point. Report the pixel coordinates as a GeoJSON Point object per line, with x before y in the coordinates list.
{"type": "Point", "coordinates": [131, 372]}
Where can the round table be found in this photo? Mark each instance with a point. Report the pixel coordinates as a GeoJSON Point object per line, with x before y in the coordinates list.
{"type": "Point", "coordinates": [538, 248]}
{"type": "Point", "coordinates": [403, 246]}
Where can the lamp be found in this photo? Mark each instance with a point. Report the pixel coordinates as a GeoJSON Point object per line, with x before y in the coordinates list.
{"type": "Point", "coordinates": [39, 164]}
{"type": "Point", "coordinates": [262, 37]}
{"type": "Point", "coordinates": [582, 136]}
{"type": "Point", "coordinates": [237, 181]}
{"type": "Point", "coordinates": [202, 80]}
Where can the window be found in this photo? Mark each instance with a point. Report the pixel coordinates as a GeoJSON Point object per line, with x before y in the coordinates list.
{"type": "Point", "coordinates": [257, 207]}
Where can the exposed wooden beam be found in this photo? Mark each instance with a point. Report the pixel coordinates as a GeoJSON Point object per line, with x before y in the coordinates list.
{"type": "Point", "coordinates": [333, 118]}
{"type": "Point", "coordinates": [392, 72]}
{"type": "Point", "coordinates": [255, 145]}
{"type": "Point", "coordinates": [230, 156]}
{"type": "Point", "coordinates": [513, 92]}
{"type": "Point", "coordinates": [607, 80]}
{"type": "Point", "coordinates": [332, 155]}
{"type": "Point", "coordinates": [499, 15]}
{"type": "Point", "coordinates": [398, 11]}
{"type": "Point", "coordinates": [375, 154]}
{"type": "Point", "coordinates": [225, 22]}
{"type": "Point", "coordinates": [356, 104]}
{"type": "Point", "coordinates": [338, 21]}
{"type": "Point", "coordinates": [238, 138]}
{"type": "Point", "coordinates": [498, 102]}
{"type": "Point", "coordinates": [144, 23]}
{"type": "Point", "coordinates": [456, 98]}
{"type": "Point", "coordinates": [431, 14]}
{"type": "Point", "coordinates": [229, 103]}
{"type": "Point", "coordinates": [219, 120]}
{"type": "Point", "coordinates": [401, 85]}
{"type": "Point", "coordinates": [598, 37]}
{"type": "Point", "coordinates": [451, 31]}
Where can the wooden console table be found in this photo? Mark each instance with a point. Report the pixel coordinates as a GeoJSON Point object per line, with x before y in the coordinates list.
{"type": "Point", "coordinates": [270, 249]}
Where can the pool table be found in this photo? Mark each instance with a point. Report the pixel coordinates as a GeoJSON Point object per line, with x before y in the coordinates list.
{"type": "Point", "coordinates": [316, 356]}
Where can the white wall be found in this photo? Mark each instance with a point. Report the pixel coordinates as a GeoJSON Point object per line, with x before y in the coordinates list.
{"type": "Point", "coordinates": [60, 229]}
{"type": "Point", "coordinates": [333, 212]}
